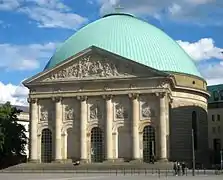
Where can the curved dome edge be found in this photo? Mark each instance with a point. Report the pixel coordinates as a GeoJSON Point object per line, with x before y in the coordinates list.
{"type": "Point", "coordinates": [159, 58]}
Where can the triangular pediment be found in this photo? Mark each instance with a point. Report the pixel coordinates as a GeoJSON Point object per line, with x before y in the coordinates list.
{"type": "Point", "coordinates": [94, 63]}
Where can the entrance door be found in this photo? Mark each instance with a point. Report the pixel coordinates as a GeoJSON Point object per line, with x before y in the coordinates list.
{"type": "Point", "coordinates": [149, 144]}
{"type": "Point", "coordinates": [97, 145]}
{"type": "Point", "coordinates": [46, 146]}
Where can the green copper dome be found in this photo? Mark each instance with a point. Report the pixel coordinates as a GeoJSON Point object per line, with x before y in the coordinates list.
{"type": "Point", "coordinates": [132, 38]}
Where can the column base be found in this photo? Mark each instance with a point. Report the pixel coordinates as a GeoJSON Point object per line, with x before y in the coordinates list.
{"type": "Point", "coordinates": [164, 160]}
{"type": "Point", "coordinates": [36, 161]}
{"type": "Point", "coordinates": [119, 160]}
{"type": "Point", "coordinates": [67, 160]}
{"type": "Point", "coordinates": [84, 161]}
{"type": "Point", "coordinates": [109, 161]}
{"type": "Point", "coordinates": [136, 161]}
{"type": "Point", "coordinates": [58, 161]}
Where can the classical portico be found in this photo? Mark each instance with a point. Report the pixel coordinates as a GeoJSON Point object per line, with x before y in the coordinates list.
{"type": "Point", "coordinates": [127, 106]}
{"type": "Point", "coordinates": [108, 127]}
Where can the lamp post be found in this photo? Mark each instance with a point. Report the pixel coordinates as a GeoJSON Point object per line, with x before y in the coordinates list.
{"type": "Point", "coordinates": [221, 155]}
{"type": "Point", "coordinates": [193, 153]}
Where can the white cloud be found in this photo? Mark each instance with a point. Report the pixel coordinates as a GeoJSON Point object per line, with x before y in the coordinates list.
{"type": "Point", "coordinates": [17, 95]}
{"type": "Point", "coordinates": [215, 81]}
{"type": "Point", "coordinates": [47, 13]}
{"type": "Point", "coordinates": [175, 9]}
{"type": "Point", "coordinates": [49, 18]}
{"type": "Point", "coordinates": [24, 57]}
{"type": "Point", "coordinates": [203, 52]}
{"type": "Point", "coordinates": [213, 73]}
{"type": "Point", "coordinates": [203, 49]}
{"type": "Point", "coordinates": [9, 4]}
{"type": "Point", "coordinates": [50, 4]}
{"type": "Point", "coordinates": [192, 11]}
{"type": "Point", "coordinates": [198, 2]}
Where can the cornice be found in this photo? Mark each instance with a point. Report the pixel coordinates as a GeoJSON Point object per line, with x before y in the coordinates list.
{"type": "Point", "coordinates": [97, 93]}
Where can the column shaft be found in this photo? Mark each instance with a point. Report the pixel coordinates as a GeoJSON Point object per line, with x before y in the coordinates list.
{"type": "Point", "coordinates": [135, 128]}
{"type": "Point", "coordinates": [33, 152]}
{"type": "Point", "coordinates": [163, 128]}
{"type": "Point", "coordinates": [108, 130]}
{"type": "Point", "coordinates": [83, 129]}
{"type": "Point", "coordinates": [58, 125]}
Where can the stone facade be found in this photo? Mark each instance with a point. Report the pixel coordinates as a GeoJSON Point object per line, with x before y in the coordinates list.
{"type": "Point", "coordinates": [97, 107]}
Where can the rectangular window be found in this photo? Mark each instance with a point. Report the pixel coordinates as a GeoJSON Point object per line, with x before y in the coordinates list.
{"type": "Point", "coordinates": [218, 117]}
{"type": "Point", "coordinates": [194, 127]}
{"type": "Point", "coordinates": [217, 144]}
{"type": "Point", "coordinates": [219, 129]}
{"type": "Point", "coordinates": [216, 95]}
{"type": "Point", "coordinates": [213, 117]}
{"type": "Point", "coordinates": [221, 94]}
{"type": "Point", "coordinates": [213, 130]}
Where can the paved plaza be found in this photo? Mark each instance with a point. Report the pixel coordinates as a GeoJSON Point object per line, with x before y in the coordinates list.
{"type": "Point", "coordinates": [70, 176]}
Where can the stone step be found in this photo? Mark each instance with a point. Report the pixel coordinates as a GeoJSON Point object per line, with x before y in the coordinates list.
{"type": "Point", "coordinates": [87, 167]}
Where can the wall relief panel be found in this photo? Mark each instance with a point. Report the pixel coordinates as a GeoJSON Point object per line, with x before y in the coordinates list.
{"type": "Point", "coordinates": [96, 109]}
{"type": "Point", "coordinates": [148, 107]}
{"type": "Point", "coordinates": [147, 111]}
{"type": "Point", "coordinates": [121, 112]}
{"type": "Point", "coordinates": [70, 109]}
{"type": "Point", "coordinates": [69, 113]}
{"type": "Point", "coordinates": [121, 108]}
{"type": "Point", "coordinates": [95, 112]}
{"type": "Point", "coordinates": [46, 111]}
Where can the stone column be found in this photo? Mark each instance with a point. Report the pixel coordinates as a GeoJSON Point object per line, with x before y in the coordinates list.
{"type": "Point", "coordinates": [33, 143]}
{"type": "Point", "coordinates": [162, 142]}
{"type": "Point", "coordinates": [83, 129]}
{"type": "Point", "coordinates": [58, 126]}
{"type": "Point", "coordinates": [108, 129]}
{"type": "Point", "coordinates": [135, 127]}
{"type": "Point", "coordinates": [115, 145]}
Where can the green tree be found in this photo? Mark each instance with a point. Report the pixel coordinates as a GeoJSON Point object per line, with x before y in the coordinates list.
{"type": "Point", "coordinates": [12, 135]}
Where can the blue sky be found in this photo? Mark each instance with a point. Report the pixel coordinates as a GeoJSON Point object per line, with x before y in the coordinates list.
{"type": "Point", "coordinates": [30, 31]}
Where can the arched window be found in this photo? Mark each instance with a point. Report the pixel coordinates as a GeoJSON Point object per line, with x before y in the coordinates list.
{"type": "Point", "coordinates": [194, 127]}
{"type": "Point", "coordinates": [46, 146]}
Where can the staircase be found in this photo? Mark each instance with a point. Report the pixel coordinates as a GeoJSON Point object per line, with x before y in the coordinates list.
{"type": "Point", "coordinates": [94, 167]}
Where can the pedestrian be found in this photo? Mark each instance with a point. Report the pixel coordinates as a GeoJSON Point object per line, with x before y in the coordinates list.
{"type": "Point", "coordinates": [183, 166]}
{"type": "Point", "coordinates": [175, 168]}
{"type": "Point", "coordinates": [178, 168]}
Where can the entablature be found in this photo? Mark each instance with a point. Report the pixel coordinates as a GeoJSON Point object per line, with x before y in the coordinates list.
{"type": "Point", "coordinates": [99, 93]}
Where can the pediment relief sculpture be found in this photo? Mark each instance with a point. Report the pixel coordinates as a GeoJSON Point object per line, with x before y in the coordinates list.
{"type": "Point", "coordinates": [97, 67]}
{"type": "Point", "coordinates": [95, 112]}
{"type": "Point", "coordinates": [69, 113]}
{"type": "Point", "coordinates": [89, 67]}
{"type": "Point", "coordinates": [121, 112]}
{"type": "Point", "coordinates": [147, 111]}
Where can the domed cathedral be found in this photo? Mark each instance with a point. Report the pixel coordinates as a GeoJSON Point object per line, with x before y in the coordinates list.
{"type": "Point", "coordinates": [119, 89]}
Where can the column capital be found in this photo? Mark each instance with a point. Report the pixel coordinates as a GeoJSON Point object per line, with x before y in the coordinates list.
{"type": "Point", "coordinates": [32, 100]}
{"type": "Point", "coordinates": [57, 99]}
{"type": "Point", "coordinates": [108, 96]}
{"type": "Point", "coordinates": [170, 100]}
{"type": "Point", "coordinates": [82, 98]}
{"type": "Point", "coordinates": [133, 96]}
{"type": "Point", "coordinates": [160, 94]}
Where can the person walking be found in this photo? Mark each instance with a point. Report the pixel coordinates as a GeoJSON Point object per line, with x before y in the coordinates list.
{"type": "Point", "coordinates": [183, 166]}
{"type": "Point", "coordinates": [178, 168]}
{"type": "Point", "coordinates": [175, 168]}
